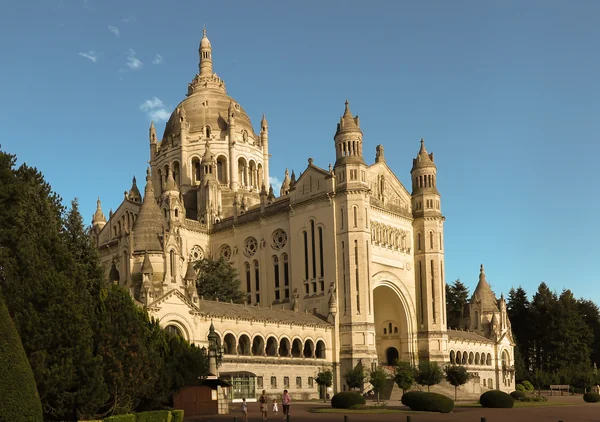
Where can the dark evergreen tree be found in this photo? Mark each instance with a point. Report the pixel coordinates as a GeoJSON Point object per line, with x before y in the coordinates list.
{"type": "Point", "coordinates": [575, 336]}
{"type": "Point", "coordinates": [521, 317]}
{"type": "Point", "coordinates": [545, 339]}
{"type": "Point", "coordinates": [591, 315]}
{"type": "Point", "coordinates": [457, 298]}
{"type": "Point", "coordinates": [20, 399]}
{"type": "Point", "coordinates": [49, 309]}
{"type": "Point", "coordinates": [218, 279]}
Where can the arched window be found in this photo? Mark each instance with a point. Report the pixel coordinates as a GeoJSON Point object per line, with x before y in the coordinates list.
{"type": "Point", "coordinates": [276, 270]}
{"type": "Point", "coordinates": [305, 236]}
{"type": "Point", "coordinates": [476, 320]}
{"type": "Point", "coordinates": [321, 253]}
{"type": "Point", "coordinates": [176, 175]}
{"type": "Point", "coordinates": [418, 241]}
{"type": "Point", "coordinates": [452, 357]}
{"type": "Point", "coordinates": [431, 240]}
{"type": "Point", "coordinates": [314, 252]}
{"type": "Point", "coordinates": [320, 352]}
{"type": "Point", "coordinates": [172, 263]}
{"type": "Point", "coordinates": [355, 212]}
{"type": "Point", "coordinates": [248, 280]}
{"type": "Point", "coordinates": [174, 330]}
{"type": "Point", "coordinates": [286, 276]}
{"type": "Point", "coordinates": [341, 218]}
{"type": "Point", "coordinates": [257, 281]}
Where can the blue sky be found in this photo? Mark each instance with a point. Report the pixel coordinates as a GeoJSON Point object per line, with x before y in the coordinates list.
{"type": "Point", "coordinates": [506, 94]}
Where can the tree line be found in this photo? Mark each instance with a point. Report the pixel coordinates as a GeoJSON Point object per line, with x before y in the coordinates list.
{"type": "Point", "coordinates": [93, 350]}
{"type": "Point", "coordinates": [557, 336]}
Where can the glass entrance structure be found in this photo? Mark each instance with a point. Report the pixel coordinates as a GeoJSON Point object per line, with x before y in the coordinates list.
{"type": "Point", "coordinates": [243, 385]}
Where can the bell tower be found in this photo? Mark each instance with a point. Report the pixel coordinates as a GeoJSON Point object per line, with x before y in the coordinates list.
{"type": "Point", "coordinates": [428, 229]}
{"type": "Point", "coordinates": [353, 240]}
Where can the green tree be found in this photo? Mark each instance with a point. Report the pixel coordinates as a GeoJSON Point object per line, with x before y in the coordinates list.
{"type": "Point", "coordinates": [20, 400]}
{"type": "Point", "coordinates": [576, 336]}
{"type": "Point", "coordinates": [521, 316]}
{"type": "Point", "coordinates": [545, 338]}
{"type": "Point", "coordinates": [217, 279]}
{"type": "Point", "coordinates": [324, 379]}
{"type": "Point", "coordinates": [355, 378]}
{"type": "Point", "coordinates": [457, 375]}
{"type": "Point", "coordinates": [540, 378]}
{"type": "Point", "coordinates": [429, 373]}
{"type": "Point", "coordinates": [404, 376]}
{"type": "Point", "coordinates": [378, 378]}
{"type": "Point", "coordinates": [591, 315]}
{"type": "Point", "coordinates": [457, 297]}
{"type": "Point", "coordinates": [50, 308]}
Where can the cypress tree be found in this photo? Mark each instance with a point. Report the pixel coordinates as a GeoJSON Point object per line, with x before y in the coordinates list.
{"type": "Point", "coordinates": [457, 297]}
{"type": "Point", "coordinates": [20, 400]}
{"type": "Point", "coordinates": [521, 317]}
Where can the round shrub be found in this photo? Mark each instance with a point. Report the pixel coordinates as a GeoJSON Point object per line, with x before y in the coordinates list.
{"type": "Point", "coordinates": [20, 399]}
{"type": "Point", "coordinates": [427, 402]}
{"type": "Point", "coordinates": [591, 397]}
{"type": "Point", "coordinates": [496, 399]}
{"type": "Point", "coordinates": [347, 399]}
{"type": "Point", "coordinates": [518, 395]}
{"type": "Point", "coordinates": [528, 386]}
{"type": "Point", "coordinates": [520, 387]}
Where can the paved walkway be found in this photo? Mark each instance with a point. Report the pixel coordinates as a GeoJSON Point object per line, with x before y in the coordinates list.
{"type": "Point", "coordinates": [579, 412]}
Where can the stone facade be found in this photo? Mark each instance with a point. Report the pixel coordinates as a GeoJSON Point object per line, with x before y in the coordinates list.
{"type": "Point", "coordinates": [345, 265]}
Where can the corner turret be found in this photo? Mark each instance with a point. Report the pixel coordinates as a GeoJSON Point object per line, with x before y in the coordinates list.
{"type": "Point", "coordinates": [149, 225]}
{"type": "Point", "coordinates": [348, 139]}
{"type": "Point", "coordinates": [205, 53]}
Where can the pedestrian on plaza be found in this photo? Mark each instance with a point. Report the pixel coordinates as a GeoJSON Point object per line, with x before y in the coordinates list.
{"type": "Point", "coordinates": [244, 410]}
{"type": "Point", "coordinates": [263, 405]}
{"type": "Point", "coordinates": [286, 400]}
{"type": "Point", "coordinates": [275, 407]}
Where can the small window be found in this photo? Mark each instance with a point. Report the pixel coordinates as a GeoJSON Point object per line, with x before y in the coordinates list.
{"type": "Point", "coordinates": [298, 382]}
{"type": "Point", "coordinates": [286, 382]}
{"type": "Point", "coordinates": [259, 382]}
{"type": "Point", "coordinates": [273, 382]}
{"type": "Point", "coordinates": [311, 382]}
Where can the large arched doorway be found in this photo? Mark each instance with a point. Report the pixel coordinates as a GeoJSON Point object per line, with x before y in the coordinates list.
{"type": "Point", "coordinates": [391, 356]}
{"type": "Point", "coordinates": [391, 326]}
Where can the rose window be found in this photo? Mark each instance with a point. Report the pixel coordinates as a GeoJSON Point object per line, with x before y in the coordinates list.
{"type": "Point", "coordinates": [279, 239]}
{"type": "Point", "coordinates": [250, 246]}
{"type": "Point", "coordinates": [225, 252]}
{"type": "Point", "coordinates": [196, 253]}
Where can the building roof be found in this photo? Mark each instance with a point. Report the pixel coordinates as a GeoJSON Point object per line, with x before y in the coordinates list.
{"type": "Point", "coordinates": [259, 313]}
{"type": "Point", "coordinates": [484, 294]}
{"type": "Point", "coordinates": [424, 159]}
{"type": "Point", "coordinates": [149, 223]}
{"type": "Point", "coordinates": [467, 335]}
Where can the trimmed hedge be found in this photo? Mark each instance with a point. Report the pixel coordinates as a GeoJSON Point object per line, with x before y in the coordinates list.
{"type": "Point", "coordinates": [130, 417]}
{"type": "Point", "coordinates": [518, 395]}
{"type": "Point", "coordinates": [154, 416]}
{"type": "Point", "coordinates": [347, 399]}
{"type": "Point", "coordinates": [591, 397]}
{"type": "Point", "coordinates": [528, 385]}
{"type": "Point", "coordinates": [427, 402]}
{"type": "Point", "coordinates": [177, 415]}
{"type": "Point", "coordinates": [520, 387]}
{"type": "Point", "coordinates": [496, 399]}
{"type": "Point", "coordinates": [20, 399]}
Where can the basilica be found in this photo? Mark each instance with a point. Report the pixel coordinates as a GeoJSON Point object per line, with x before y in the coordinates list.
{"type": "Point", "coordinates": [343, 265]}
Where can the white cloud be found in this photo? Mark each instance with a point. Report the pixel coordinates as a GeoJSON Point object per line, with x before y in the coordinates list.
{"type": "Point", "coordinates": [92, 55]}
{"type": "Point", "coordinates": [132, 61]}
{"type": "Point", "coordinates": [114, 30]}
{"type": "Point", "coordinates": [129, 19]}
{"type": "Point", "coordinates": [276, 183]}
{"type": "Point", "coordinates": [157, 59]}
{"type": "Point", "coordinates": [155, 109]}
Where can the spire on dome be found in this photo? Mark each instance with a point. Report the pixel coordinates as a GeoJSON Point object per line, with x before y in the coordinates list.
{"type": "Point", "coordinates": [484, 293]}
{"type": "Point", "coordinates": [347, 122]}
{"type": "Point", "coordinates": [149, 224]}
{"type": "Point", "coordinates": [98, 215]}
{"type": "Point", "coordinates": [424, 159]}
{"type": "Point", "coordinates": [205, 52]}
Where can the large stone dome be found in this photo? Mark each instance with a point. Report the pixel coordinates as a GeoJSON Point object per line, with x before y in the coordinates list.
{"type": "Point", "coordinates": [208, 107]}
{"type": "Point", "coordinates": [207, 104]}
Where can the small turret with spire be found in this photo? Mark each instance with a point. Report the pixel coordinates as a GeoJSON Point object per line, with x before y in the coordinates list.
{"type": "Point", "coordinates": [205, 52]}
{"type": "Point", "coordinates": [348, 139]}
{"type": "Point", "coordinates": [134, 193]}
{"type": "Point", "coordinates": [98, 220]}
{"type": "Point", "coordinates": [285, 185]}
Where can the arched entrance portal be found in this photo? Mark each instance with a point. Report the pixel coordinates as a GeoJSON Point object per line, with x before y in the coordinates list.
{"type": "Point", "coordinates": [392, 356]}
{"type": "Point", "coordinates": [391, 326]}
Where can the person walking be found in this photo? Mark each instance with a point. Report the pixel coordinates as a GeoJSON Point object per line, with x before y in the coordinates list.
{"type": "Point", "coordinates": [263, 405]}
{"type": "Point", "coordinates": [244, 410]}
{"type": "Point", "coordinates": [275, 407]}
{"type": "Point", "coordinates": [286, 400]}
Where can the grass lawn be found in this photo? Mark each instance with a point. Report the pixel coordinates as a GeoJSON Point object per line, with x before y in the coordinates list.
{"type": "Point", "coordinates": [522, 404]}
{"type": "Point", "coordinates": [358, 411]}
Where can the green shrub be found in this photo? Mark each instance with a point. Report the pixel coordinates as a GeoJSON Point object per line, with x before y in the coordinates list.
{"type": "Point", "coordinates": [518, 395]}
{"type": "Point", "coordinates": [520, 387]}
{"type": "Point", "coordinates": [528, 386]}
{"type": "Point", "coordinates": [591, 397]}
{"type": "Point", "coordinates": [347, 399]}
{"type": "Point", "coordinates": [428, 402]}
{"type": "Point", "coordinates": [20, 399]}
{"type": "Point", "coordinates": [496, 399]}
{"type": "Point", "coordinates": [120, 418]}
{"type": "Point", "coordinates": [177, 415]}
{"type": "Point", "coordinates": [534, 398]}
{"type": "Point", "coordinates": [153, 416]}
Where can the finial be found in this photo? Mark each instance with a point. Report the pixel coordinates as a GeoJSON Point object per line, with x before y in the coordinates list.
{"type": "Point", "coordinates": [204, 30]}
{"type": "Point", "coordinates": [481, 269]}
{"type": "Point", "coordinates": [310, 161]}
{"type": "Point", "coordinates": [347, 110]}
{"type": "Point", "coordinates": [148, 177]}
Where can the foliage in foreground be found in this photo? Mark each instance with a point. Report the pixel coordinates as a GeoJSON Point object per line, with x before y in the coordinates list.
{"type": "Point", "coordinates": [20, 400]}
{"type": "Point", "coordinates": [347, 399]}
{"type": "Point", "coordinates": [217, 280]}
{"type": "Point", "coordinates": [457, 375]}
{"type": "Point", "coordinates": [427, 402]}
{"type": "Point", "coordinates": [496, 399]}
{"type": "Point", "coordinates": [591, 397]}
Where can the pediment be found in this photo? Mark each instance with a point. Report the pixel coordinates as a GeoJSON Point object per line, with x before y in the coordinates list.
{"type": "Point", "coordinates": [395, 195]}
{"type": "Point", "coordinates": [173, 298]}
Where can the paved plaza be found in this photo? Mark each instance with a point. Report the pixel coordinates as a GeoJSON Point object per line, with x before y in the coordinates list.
{"type": "Point", "coordinates": [578, 412]}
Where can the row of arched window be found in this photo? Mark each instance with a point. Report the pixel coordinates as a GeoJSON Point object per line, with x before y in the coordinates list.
{"type": "Point", "coordinates": [124, 224]}
{"type": "Point", "coordinates": [388, 236]}
{"type": "Point", "coordinates": [273, 347]}
{"type": "Point", "coordinates": [470, 358]}
{"type": "Point", "coordinates": [314, 269]}
{"type": "Point", "coordinates": [282, 284]}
